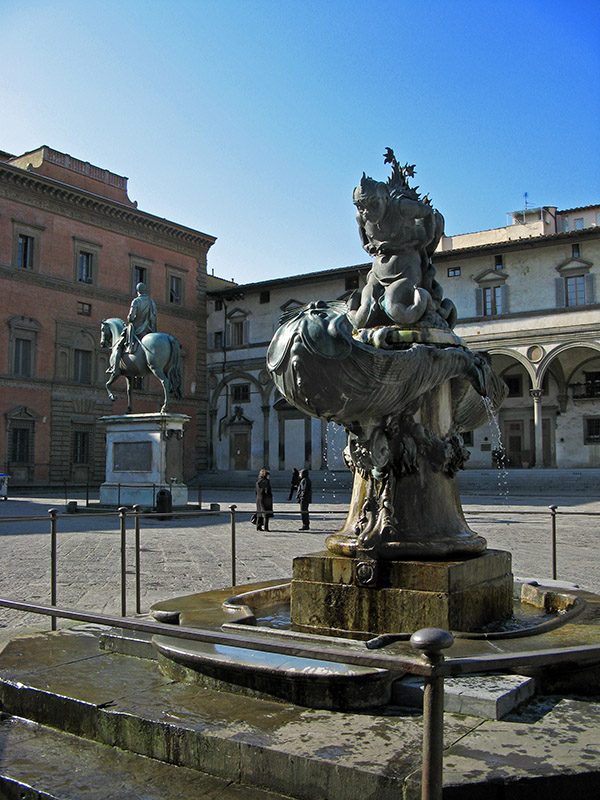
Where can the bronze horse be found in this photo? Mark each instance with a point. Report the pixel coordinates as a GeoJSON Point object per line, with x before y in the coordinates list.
{"type": "Point", "coordinates": [158, 354]}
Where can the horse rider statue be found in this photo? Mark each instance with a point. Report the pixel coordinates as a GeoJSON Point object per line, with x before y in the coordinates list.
{"type": "Point", "coordinates": [140, 321]}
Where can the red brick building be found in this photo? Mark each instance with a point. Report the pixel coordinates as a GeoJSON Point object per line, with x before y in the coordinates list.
{"type": "Point", "coordinates": [72, 248]}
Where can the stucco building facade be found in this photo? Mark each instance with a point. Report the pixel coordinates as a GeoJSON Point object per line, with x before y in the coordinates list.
{"type": "Point", "coordinates": [73, 246]}
{"type": "Point", "coordinates": [526, 293]}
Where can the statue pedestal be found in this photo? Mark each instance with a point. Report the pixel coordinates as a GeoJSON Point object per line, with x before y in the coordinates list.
{"type": "Point", "coordinates": [144, 453]}
{"type": "Point", "coordinates": [329, 596]}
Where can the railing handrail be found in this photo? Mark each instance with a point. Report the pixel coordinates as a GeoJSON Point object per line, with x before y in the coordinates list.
{"type": "Point", "coordinates": [349, 654]}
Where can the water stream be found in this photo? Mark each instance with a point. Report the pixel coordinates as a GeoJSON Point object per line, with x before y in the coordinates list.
{"type": "Point", "coordinates": [498, 451]}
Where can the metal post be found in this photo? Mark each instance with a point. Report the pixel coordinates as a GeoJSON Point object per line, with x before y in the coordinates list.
{"type": "Point", "coordinates": [232, 508]}
{"type": "Point", "coordinates": [431, 641]}
{"type": "Point", "coordinates": [52, 512]}
{"type": "Point", "coordinates": [553, 518]}
{"type": "Point", "coordinates": [199, 496]}
{"type": "Point", "coordinates": [87, 494]}
{"type": "Point", "coordinates": [123, 520]}
{"type": "Point", "coordinates": [138, 587]}
{"type": "Point", "coordinates": [118, 495]}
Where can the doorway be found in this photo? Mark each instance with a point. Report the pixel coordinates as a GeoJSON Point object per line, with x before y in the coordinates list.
{"type": "Point", "coordinates": [513, 436]}
{"type": "Point", "coordinates": [241, 450]}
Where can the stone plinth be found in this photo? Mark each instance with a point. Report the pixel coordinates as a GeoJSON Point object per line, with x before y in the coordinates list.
{"type": "Point", "coordinates": [144, 454]}
{"type": "Point", "coordinates": [329, 596]}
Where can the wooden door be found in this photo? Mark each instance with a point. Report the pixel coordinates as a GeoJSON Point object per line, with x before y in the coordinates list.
{"type": "Point", "coordinates": [240, 450]}
{"type": "Point", "coordinates": [513, 437]}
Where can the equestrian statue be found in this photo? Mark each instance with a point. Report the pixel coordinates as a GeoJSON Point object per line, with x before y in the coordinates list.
{"type": "Point", "coordinates": [138, 349]}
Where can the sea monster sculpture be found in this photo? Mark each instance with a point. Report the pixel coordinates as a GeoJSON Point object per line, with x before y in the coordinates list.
{"type": "Point", "coordinates": [388, 367]}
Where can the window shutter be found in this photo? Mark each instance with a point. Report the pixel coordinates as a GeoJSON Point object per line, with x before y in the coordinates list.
{"type": "Point", "coordinates": [589, 289]}
{"type": "Point", "coordinates": [479, 302]}
{"type": "Point", "coordinates": [504, 298]}
{"type": "Point", "coordinates": [246, 332]}
{"type": "Point", "coordinates": [559, 287]}
{"type": "Point", "coordinates": [228, 335]}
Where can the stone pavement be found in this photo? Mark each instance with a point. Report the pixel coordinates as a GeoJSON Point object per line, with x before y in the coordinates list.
{"type": "Point", "coordinates": [193, 553]}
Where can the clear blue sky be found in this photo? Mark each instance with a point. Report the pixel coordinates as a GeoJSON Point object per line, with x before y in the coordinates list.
{"type": "Point", "coordinates": [253, 120]}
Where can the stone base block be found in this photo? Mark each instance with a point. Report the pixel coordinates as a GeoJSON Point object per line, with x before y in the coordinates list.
{"type": "Point", "coordinates": [328, 595]}
{"type": "Point", "coordinates": [143, 495]}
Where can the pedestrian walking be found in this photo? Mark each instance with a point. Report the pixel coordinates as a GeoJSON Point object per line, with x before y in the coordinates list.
{"type": "Point", "coordinates": [264, 500]}
{"type": "Point", "coordinates": [304, 497]}
{"type": "Point", "coordinates": [295, 482]}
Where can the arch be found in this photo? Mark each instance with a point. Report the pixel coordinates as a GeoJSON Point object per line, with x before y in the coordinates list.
{"type": "Point", "coordinates": [235, 376]}
{"type": "Point", "coordinates": [561, 348]}
{"type": "Point", "coordinates": [518, 357]}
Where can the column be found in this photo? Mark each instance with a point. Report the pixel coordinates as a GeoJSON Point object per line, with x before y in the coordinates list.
{"type": "Point", "coordinates": [537, 423]}
{"type": "Point", "coordinates": [266, 411]}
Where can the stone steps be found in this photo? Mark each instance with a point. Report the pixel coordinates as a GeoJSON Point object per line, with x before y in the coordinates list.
{"type": "Point", "coordinates": [41, 763]}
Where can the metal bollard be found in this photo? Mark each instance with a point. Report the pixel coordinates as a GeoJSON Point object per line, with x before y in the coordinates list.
{"type": "Point", "coordinates": [123, 521]}
{"type": "Point", "coordinates": [53, 512]}
{"type": "Point", "coordinates": [431, 641]}
{"type": "Point", "coordinates": [232, 508]}
{"type": "Point", "coordinates": [138, 587]}
{"type": "Point", "coordinates": [199, 496]}
{"type": "Point", "coordinates": [553, 517]}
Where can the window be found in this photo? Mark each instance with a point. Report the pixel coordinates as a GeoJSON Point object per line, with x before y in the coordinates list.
{"type": "Point", "coordinates": [137, 382]}
{"type": "Point", "coordinates": [592, 384]}
{"type": "Point", "coordinates": [82, 366]}
{"type": "Point", "coordinates": [218, 305]}
{"type": "Point", "coordinates": [81, 447]}
{"type": "Point", "coordinates": [351, 282]}
{"type": "Point", "coordinates": [575, 251]}
{"type": "Point", "coordinates": [22, 357]}
{"type": "Point", "coordinates": [498, 262]}
{"type": "Point", "coordinates": [22, 345]}
{"type": "Point", "coordinates": [84, 267]}
{"type": "Point", "coordinates": [140, 271]}
{"type": "Point", "coordinates": [492, 301]}
{"type": "Point", "coordinates": [84, 309]}
{"type": "Point", "coordinates": [20, 449]}
{"type": "Point", "coordinates": [26, 245]}
{"type": "Point", "coordinates": [578, 223]}
{"type": "Point", "coordinates": [26, 249]}
{"type": "Point", "coordinates": [175, 290]}
{"type": "Point", "coordinates": [515, 385]}
{"type": "Point", "coordinates": [453, 272]}
{"type": "Point", "coordinates": [265, 297]}
{"type": "Point", "coordinates": [575, 290]}
{"type": "Point", "coordinates": [218, 340]}
{"type": "Point", "coordinates": [237, 333]}
{"type": "Point", "coordinates": [467, 438]}
{"type": "Point", "coordinates": [240, 393]}
{"type": "Point", "coordinates": [591, 430]}
{"type": "Point", "coordinates": [565, 224]}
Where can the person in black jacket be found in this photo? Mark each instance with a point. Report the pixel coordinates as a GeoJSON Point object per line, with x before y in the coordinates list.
{"type": "Point", "coordinates": [295, 482]}
{"type": "Point", "coordinates": [264, 500]}
{"type": "Point", "coordinates": [304, 497]}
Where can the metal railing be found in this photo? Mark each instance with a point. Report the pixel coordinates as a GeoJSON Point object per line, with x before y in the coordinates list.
{"type": "Point", "coordinates": [136, 514]}
{"type": "Point", "coordinates": [431, 666]}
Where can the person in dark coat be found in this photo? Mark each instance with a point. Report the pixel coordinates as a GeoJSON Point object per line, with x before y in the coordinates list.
{"type": "Point", "coordinates": [264, 500]}
{"type": "Point", "coordinates": [295, 482]}
{"type": "Point", "coordinates": [304, 497]}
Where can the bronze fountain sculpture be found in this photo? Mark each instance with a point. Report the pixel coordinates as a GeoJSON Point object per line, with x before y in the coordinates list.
{"type": "Point", "coordinates": [388, 367]}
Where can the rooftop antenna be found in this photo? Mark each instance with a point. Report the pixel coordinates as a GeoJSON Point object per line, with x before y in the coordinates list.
{"type": "Point", "coordinates": [525, 198]}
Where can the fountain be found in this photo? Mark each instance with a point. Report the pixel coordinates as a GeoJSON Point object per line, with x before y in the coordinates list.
{"type": "Point", "coordinates": [388, 367]}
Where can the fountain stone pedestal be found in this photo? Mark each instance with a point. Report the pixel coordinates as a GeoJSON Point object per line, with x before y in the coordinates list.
{"type": "Point", "coordinates": [329, 597]}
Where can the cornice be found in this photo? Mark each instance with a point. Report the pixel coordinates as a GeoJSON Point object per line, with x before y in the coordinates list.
{"type": "Point", "coordinates": [51, 195]}
{"type": "Point", "coordinates": [82, 290]}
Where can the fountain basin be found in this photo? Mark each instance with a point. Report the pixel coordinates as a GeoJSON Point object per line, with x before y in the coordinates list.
{"type": "Point", "coordinates": [555, 618]}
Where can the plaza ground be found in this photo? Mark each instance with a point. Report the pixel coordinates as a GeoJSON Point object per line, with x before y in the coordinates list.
{"type": "Point", "coordinates": [193, 553]}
